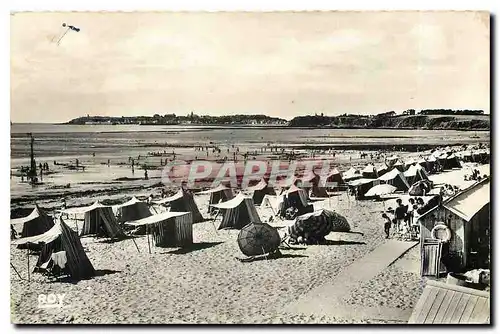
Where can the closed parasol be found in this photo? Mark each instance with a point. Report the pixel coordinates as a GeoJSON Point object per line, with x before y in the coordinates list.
{"type": "Point", "coordinates": [380, 189]}
{"type": "Point", "coordinates": [258, 239]}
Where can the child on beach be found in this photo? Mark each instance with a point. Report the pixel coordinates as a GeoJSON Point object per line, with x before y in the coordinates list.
{"type": "Point", "coordinates": [387, 225]}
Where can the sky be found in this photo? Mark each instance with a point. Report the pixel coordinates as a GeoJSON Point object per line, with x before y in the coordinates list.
{"type": "Point", "coordinates": [278, 64]}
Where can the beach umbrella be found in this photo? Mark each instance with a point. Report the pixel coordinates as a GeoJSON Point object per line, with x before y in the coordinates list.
{"type": "Point", "coordinates": [258, 238]}
{"type": "Point", "coordinates": [318, 224]}
{"type": "Point", "coordinates": [380, 189]}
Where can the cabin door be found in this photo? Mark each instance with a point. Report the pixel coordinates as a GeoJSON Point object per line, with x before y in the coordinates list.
{"type": "Point", "coordinates": [430, 258]}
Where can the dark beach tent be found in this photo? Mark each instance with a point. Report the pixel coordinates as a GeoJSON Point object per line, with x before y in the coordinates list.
{"type": "Point", "coordinates": [131, 210]}
{"type": "Point", "coordinates": [369, 172]}
{"type": "Point", "coordinates": [420, 188]}
{"type": "Point", "coordinates": [288, 182]}
{"type": "Point", "coordinates": [260, 190]}
{"type": "Point", "coordinates": [335, 177]}
{"type": "Point", "coordinates": [182, 201]}
{"type": "Point", "coordinates": [169, 229]}
{"type": "Point", "coordinates": [415, 173]}
{"type": "Point", "coordinates": [450, 162]}
{"type": "Point", "coordinates": [62, 252]}
{"type": "Point", "coordinates": [311, 182]}
{"type": "Point", "coordinates": [352, 174]}
{"type": "Point", "coordinates": [37, 222]}
{"type": "Point", "coordinates": [237, 212]}
{"type": "Point", "coordinates": [382, 169]}
{"type": "Point", "coordinates": [467, 156]}
{"type": "Point", "coordinates": [396, 179]}
{"type": "Point", "coordinates": [313, 227]}
{"type": "Point", "coordinates": [99, 220]}
{"type": "Point", "coordinates": [361, 186]}
{"type": "Point", "coordinates": [294, 197]}
{"type": "Point", "coordinates": [399, 166]}
{"type": "Point", "coordinates": [258, 239]}
{"type": "Point", "coordinates": [218, 194]}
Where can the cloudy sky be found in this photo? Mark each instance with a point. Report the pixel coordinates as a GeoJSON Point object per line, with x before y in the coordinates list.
{"type": "Point", "coordinates": [279, 64]}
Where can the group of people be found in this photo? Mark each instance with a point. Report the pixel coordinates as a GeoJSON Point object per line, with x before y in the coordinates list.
{"type": "Point", "coordinates": [475, 176]}
{"type": "Point", "coordinates": [402, 219]}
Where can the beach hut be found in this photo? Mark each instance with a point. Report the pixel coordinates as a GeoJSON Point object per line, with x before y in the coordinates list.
{"type": "Point", "coordinates": [464, 220]}
{"type": "Point", "coordinates": [361, 186]}
{"type": "Point", "coordinates": [352, 174]}
{"type": "Point", "coordinates": [396, 179]}
{"type": "Point", "coordinates": [37, 222]}
{"type": "Point", "coordinates": [237, 212]}
{"type": "Point", "coordinates": [415, 173]}
{"type": "Point", "coordinates": [99, 220]}
{"type": "Point", "coordinates": [62, 252]}
{"type": "Point", "coordinates": [369, 172]}
{"type": "Point", "coordinates": [218, 194]}
{"type": "Point", "coordinates": [168, 229]}
{"type": "Point", "coordinates": [182, 201]}
{"type": "Point", "coordinates": [442, 303]}
{"type": "Point", "coordinates": [260, 190]}
{"type": "Point", "coordinates": [131, 210]}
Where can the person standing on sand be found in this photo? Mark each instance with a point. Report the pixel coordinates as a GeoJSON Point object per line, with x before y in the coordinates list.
{"type": "Point", "coordinates": [387, 225]}
{"type": "Point", "coordinates": [400, 214]}
{"type": "Point", "coordinates": [108, 162]}
{"type": "Point", "coordinates": [146, 174]}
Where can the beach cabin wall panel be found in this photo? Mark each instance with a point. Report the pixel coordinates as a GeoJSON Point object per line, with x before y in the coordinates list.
{"type": "Point", "coordinates": [476, 244]}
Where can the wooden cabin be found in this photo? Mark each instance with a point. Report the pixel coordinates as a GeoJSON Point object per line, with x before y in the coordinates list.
{"type": "Point", "coordinates": [467, 215]}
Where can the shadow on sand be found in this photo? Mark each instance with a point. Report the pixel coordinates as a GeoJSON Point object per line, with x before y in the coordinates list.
{"type": "Point", "coordinates": [270, 257]}
{"type": "Point", "coordinates": [98, 273]}
{"type": "Point", "coordinates": [194, 247]}
{"type": "Point", "coordinates": [342, 242]}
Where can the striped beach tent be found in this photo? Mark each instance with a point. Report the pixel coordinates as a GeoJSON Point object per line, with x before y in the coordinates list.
{"type": "Point", "coordinates": [99, 220]}
{"type": "Point", "coordinates": [62, 251]}
{"type": "Point", "coordinates": [395, 178]}
{"type": "Point", "coordinates": [334, 176]}
{"type": "Point", "coordinates": [218, 194]}
{"type": "Point", "coordinates": [182, 201]}
{"type": "Point", "coordinates": [131, 210]}
{"type": "Point", "coordinates": [415, 173]}
{"type": "Point", "coordinates": [37, 222]}
{"type": "Point", "coordinates": [237, 212]}
{"type": "Point", "coordinates": [314, 226]}
{"type": "Point", "coordinates": [169, 229]}
{"type": "Point", "coordinates": [260, 190]}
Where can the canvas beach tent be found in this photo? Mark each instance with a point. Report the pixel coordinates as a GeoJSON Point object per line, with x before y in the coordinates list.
{"type": "Point", "coordinates": [168, 229]}
{"type": "Point", "coordinates": [361, 186]}
{"type": "Point", "coordinates": [237, 212]}
{"type": "Point", "coordinates": [221, 193]}
{"type": "Point", "coordinates": [37, 222]}
{"type": "Point", "coordinates": [311, 183]}
{"type": "Point", "coordinates": [396, 179]}
{"type": "Point", "coordinates": [99, 220]}
{"type": "Point", "coordinates": [415, 173]}
{"type": "Point", "coordinates": [335, 176]}
{"type": "Point", "coordinates": [260, 190]}
{"type": "Point", "coordinates": [182, 201]}
{"type": "Point", "coordinates": [62, 252]}
{"type": "Point", "coordinates": [273, 202]}
{"type": "Point", "coordinates": [352, 174]}
{"type": "Point", "coordinates": [131, 210]}
{"type": "Point", "coordinates": [288, 182]}
{"type": "Point", "coordinates": [369, 172]}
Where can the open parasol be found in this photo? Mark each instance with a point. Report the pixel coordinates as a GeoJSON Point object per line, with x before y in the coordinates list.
{"type": "Point", "coordinates": [316, 225]}
{"type": "Point", "coordinates": [380, 189]}
{"type": "Point", "coordinates": [258, 239]}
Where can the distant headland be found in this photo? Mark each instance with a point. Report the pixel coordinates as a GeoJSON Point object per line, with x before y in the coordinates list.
{"type": "Point", "coordinates": [431, 119]}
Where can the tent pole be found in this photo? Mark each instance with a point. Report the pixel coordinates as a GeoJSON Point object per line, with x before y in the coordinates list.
{"type": "Point", "coordinates": [147, 235]}
{"type": "Point", "coordinates": [28, 257]}
{"type": "Point", "coordinates": [76, 224]}
{"type": "Point", "coordinates": [135, 243]}
{"type": "Point", "coordinates": [16, 271]}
